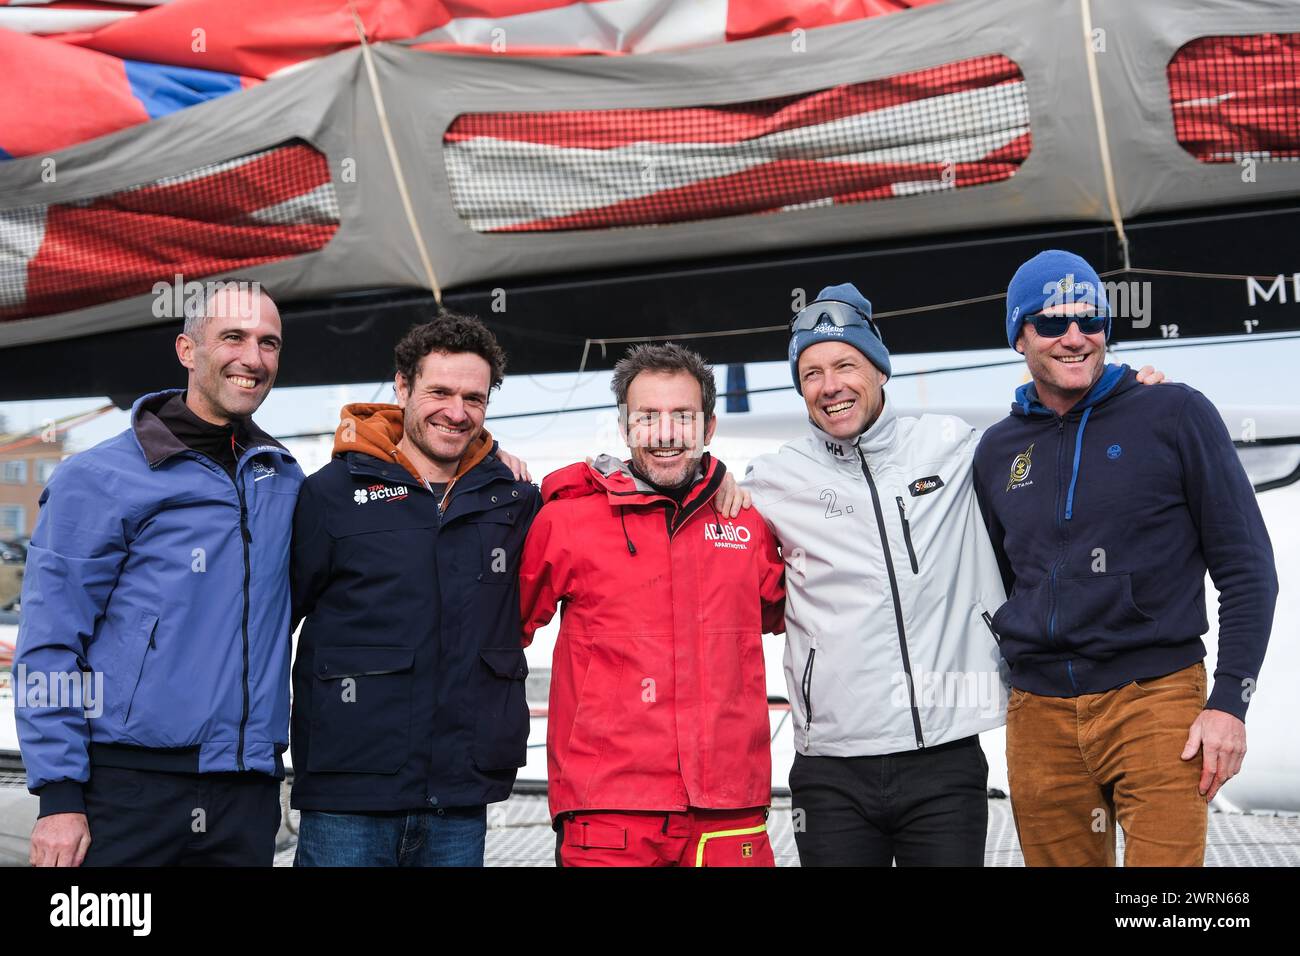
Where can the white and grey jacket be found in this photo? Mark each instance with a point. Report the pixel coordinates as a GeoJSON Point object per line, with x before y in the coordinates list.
{"type": "Point", "coordinates": [891, 585]}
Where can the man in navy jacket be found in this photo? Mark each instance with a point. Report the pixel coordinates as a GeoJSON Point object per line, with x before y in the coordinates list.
{"type": "Point", "coordinates": [1106, 504]}
{"type": "Point", "coordinates": [158, 573]}
{"type": "Point", "coordinates": [409, 712]}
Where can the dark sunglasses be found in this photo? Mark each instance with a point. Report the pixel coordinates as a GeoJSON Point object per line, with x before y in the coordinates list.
{"type": "Point", "coordinates": [1054, 326]}
{"type": "Point", "coordinates": [839, 314]}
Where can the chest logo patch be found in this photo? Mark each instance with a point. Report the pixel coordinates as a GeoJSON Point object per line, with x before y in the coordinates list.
{"type": "Point", "coordinates": [923, 486]}
{"type": "Point", "coordinates": [727, 536]}
{"type": "Point", "coordinates": [1020, 466]}
{"type": "Point", "coordinates": [380, 492]}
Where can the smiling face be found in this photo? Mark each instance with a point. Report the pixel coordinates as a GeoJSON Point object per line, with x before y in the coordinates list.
{"type": "Point", "coordinates": [233, 357]}
{"type": "Point", "coordinates": [444, 408]}
{"type": "Point", "coordinates": [1066, 367]}
{"type": "Point", "coordinates": [666, 430]}
{"type": "Point", "coordinates": [844, 392]}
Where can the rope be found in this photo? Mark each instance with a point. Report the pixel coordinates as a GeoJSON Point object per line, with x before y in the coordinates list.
{"type": "Point", "coordinates": [1103, 142]}
{"type": "Point", "coordinates": [407, 206]}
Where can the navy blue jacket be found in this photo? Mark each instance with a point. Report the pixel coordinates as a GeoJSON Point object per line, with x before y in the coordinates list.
{"type": "Point", "coordinates": [408, 685]}
{"type": "Point", "coordinates": [1104, 522]}
{"type": "Point", "coordinates": [154, 570]}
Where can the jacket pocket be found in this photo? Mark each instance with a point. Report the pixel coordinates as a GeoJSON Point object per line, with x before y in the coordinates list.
{"type": "Point", "coordinates": [987, 618]}
{"type": "Point", "coordinates": [907, 534]}
{"type": "Point", "coordinates": [1096, 616]}
{"type": "Point", "coordinates": [361, 709]}
{"type": "Point", "coordinates": [501, 734]}
{"type": "Point", "coordinates": [134, 668]}
{"type": "Point", "coordinates": [805, 686]}
{"type": "Point", "coordinates": [1022, 622]}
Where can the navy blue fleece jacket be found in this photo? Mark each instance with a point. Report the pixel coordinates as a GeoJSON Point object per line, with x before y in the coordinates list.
{"type": "Point", "coordinates": [1104, 521]}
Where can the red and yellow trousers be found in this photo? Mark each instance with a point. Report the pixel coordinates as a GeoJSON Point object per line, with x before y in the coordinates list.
{"type": "Point", "coordinates": [693, 837]}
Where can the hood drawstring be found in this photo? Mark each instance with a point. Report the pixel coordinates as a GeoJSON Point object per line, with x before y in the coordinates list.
{"type": "Point", "coordinates": [622, 512]}
{"type": "Point", "coordinates": [1078, 452]}
{"type": "Point", "coordinates": [716, 517]}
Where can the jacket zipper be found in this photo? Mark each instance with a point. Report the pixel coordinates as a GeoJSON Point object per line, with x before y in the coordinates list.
{"type": "Point", "coordinates": [898, 603]}
{"type": "Point", "coordinates": [1062, 545]}
{"type": "Point", "coordinates": [988, 622]}
{"type": "Point", "coordinates": [907, 534]}
{"type": "Point", "coordinates": [807, 688]}
{"type": "Point", "coordinates": [247, 537]}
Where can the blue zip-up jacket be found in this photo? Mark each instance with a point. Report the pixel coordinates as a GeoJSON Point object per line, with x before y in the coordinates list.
{"type": "Point", "coordinates": [1104, 521]}
{"type": "Point", "coordinates": [150, 566]}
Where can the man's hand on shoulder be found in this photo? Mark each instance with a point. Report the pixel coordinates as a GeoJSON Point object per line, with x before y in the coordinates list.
{"type": "Point", "coordinates": [1148, 375]}
{"type": "Point", "coordinates": [1221, 737]}
{"type": "Point", "coordinates": [61, 839]}
{"type": "Point", "coordinates": [518, 467]}
{"type": "Point", "coordinates": [731, 497]}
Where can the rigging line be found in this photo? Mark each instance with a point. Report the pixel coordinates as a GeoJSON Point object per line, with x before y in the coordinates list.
{"type": "Point", "coordinates": [1240, 339]}
{"type": "Point", "coordinates": [914, 310]}
{"type": "Point", "coordinates": [368, 58]}
{"type": "Point", "coordinates": [1103, 142]}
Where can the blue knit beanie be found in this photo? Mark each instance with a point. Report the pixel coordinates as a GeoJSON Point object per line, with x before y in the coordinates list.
{"type": "Point", "coordinates": [859, 336]}
{"type": "Point", "coordinates": [1052, 278]}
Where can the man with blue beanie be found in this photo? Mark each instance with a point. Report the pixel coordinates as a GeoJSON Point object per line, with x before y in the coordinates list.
{"type": "Point", "coordinates": [892, 668]}
{"type": "Point", "coordinates": [1106, 504]}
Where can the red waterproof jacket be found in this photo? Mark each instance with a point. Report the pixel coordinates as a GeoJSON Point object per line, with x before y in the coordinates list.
{"type": "Point", "coordinates": [658, 693]}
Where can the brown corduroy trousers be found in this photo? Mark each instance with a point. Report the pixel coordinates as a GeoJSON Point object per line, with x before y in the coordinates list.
{"type": "Point", "coordinates": [1078, 765]}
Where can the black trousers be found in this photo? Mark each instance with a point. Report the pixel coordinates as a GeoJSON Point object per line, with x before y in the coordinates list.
{"type": "Point", "coordinates": [152, 818]}
{"type": "Point", "coordinates": [917, 808]}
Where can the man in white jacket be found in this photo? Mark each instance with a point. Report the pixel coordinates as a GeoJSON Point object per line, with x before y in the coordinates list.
{"type": "Point", "coordinates": [891, 661]}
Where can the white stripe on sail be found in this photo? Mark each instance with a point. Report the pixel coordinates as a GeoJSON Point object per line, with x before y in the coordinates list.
{"type": "Point", "coordinates": [22, 231]}
{"type": "Point", "coordinates": [498, 183]}
{"type": "Point", "coordinates": [614, 26]}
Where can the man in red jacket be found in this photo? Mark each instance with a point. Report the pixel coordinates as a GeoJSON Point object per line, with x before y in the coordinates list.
{"type": "Point", "coordinates": [658, 741]}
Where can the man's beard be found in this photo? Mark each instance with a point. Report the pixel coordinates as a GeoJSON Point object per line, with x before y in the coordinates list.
{"type": "Point", "coordinates": [414, 430]}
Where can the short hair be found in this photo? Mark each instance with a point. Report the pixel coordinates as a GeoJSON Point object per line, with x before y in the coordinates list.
{"type": "Point", "coordinates": [449, 332]}
{"type": "Point", "coordinates": [669, 357]}
{"type": "Point", "coordinates": [196, 307]}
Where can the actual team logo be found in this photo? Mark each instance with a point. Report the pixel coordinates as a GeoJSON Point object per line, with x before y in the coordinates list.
{"type": "Point", "coordinates": [380, 492]}
{"type": "Point", "coordinates": [1020, 466]}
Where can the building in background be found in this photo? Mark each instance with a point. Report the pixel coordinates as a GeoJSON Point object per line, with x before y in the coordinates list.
{"type": "Point", "coordinates": [26, 463]}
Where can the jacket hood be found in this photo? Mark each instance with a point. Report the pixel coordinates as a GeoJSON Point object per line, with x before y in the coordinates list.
{"type": "Point", "coordinates": [612, 476]}
{"type": "Point", "coordinates": [1113, 381]}
{"type": "Point", "coordinates": [375, 428]}
{"type": "Point", "coordinates": [156, 439]}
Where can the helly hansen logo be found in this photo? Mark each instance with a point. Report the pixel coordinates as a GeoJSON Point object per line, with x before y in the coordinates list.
{"type": "Point", "coordinates": [380, 492]}
{"type": "Point", "coordinates": [727, 536]}
{"type": "Point", "coordinates": [835, 449]}
{"type": "Point", "coordinates": [923, 486]}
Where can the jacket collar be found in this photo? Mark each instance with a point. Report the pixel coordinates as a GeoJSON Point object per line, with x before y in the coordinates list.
{"type": "Point", "coordinates": [1113, 381]}
{"type": "Point", "coordinates": [157, 443]}
{"type": "Point", "coordinates": [841, 453]}
{"type": "Point", "coordinates": [624, 488]}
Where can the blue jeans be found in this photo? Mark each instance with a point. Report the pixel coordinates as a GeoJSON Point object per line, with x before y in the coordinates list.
{"type": "Point", "coordinates": [453, 836]}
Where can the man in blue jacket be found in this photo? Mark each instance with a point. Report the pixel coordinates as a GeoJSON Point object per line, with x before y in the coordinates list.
{"type": "Point", "coordinates": [409, 709]}
{"type": "Point", "coordinates": [157, 572]}
{"type": "Point", "coordinates": [1106, 504]}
